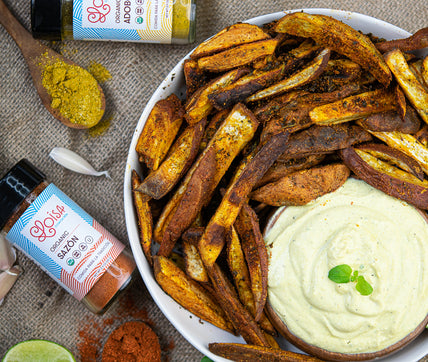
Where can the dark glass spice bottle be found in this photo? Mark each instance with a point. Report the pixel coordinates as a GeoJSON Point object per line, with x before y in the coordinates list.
{"type": "Point", "coordinates": [60, 237]}
{"type": "Point", "coordinates": [163, 21]}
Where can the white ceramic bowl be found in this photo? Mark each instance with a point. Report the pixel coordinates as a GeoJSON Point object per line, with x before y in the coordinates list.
{"type": "Point", "coordinates": [201, 334]}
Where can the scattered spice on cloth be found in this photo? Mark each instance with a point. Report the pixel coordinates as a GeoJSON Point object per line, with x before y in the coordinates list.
{"type": "Point", "coordinates": [100, 73]}
{"type": "Point", "coordinates": [74, 92]}
{"type": "Point", "coordinates": [133, 342]}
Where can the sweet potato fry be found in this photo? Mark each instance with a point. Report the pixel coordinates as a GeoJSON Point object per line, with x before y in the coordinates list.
{"type": "Point", "coordinates": [231, 36]}
{"type": "Point", "coordinates": [241, 277]}
{"type": "Point", "coordinates": [391, 121]}
{"type": "Point", "coordinates": [198, 106]}
{"type": "Point", "coordinates": [337, 36]}
{"type": "Point", "coordinates": [241, 319]}
{"type": "Point", "coordinates": [195, 77]}
{"type": "Point", "coordinates": [425, 70]}
{"type": "Point", "coordinates": [248, 353]}
{"type": "Point", "coordinates": [238, 56]}
{"type": "Point", "coordinates": [144, 217]}
{"type": "Point", "coordinates": [281, 106]}
{"type": "Point", "coordinates": [248, 173]}
{"type": "Point", "coordinates": [393, 157]}
{"type": "Point", "coordinates": [298, 79]}
{"type": "Point", "coordinates": [201, 180]}
{"type": "Point", "coordinates": [189, 293]}
{"type": "Point", "coordinates": [323, 139]}
{"type": "Point", "coordinates": [416, 41]}
{"type": "Point", "coordinates": [354, 107]}
{"type": "Point", "coordinates": [248, 229]}
{"type": "Point", "coordinates": [414, 90]}
{"type": "Point", "coordinates": [283, 168]}
{"type": "Point", "coordinates": [387, 178]}
{"type": "Point", "coordinates": [302, 186]}
{"type": "Point", "coordinates": [193, 263]}
{"type": "Point", "coordinates": [407, 144]}
{"type": "Point", "coordinates": [192, 235]}
{"type": "Point", "coordinates": [159, 131]}
{"type": "Point", "coordinates": [159, 182]}
{"type": "Point", "coordinates": [422, 135]}
{"type": "Point", "coordinates": [245, 86]}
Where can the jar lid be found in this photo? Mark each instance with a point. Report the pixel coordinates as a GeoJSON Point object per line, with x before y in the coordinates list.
{"type": "Point", "coordinates": [46, 19]}
{"type": "Point", "coordinates": [15, 186]}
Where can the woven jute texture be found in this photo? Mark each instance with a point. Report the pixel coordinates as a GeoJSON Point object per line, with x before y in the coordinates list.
{"type": "Point", "coordinates": [37, 307]}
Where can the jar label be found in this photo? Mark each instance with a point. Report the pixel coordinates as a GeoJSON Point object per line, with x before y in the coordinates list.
{"type": "Point", "coordinates": [126, 20]}
{"type": "Point", "coordinates": [65, 241]}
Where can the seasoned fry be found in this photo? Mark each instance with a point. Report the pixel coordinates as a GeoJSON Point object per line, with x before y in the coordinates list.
{"type": "Point", "coordinates": [249, 353]}
{"type": "Point", "coordinates": [245, 86]}
{"type": "Point", "coordinates": [298, 79]}
{"type": "Point", "coordinates": [337, 36]}
{"type": "Point", "coordinates": [241, 319]}
{"type": "Point", "coordinates": [407, 144]}
{"type": "Point", "coordinates": [414, 90]}
{"type": "Point", "coordinates": [393, 157]}
{"type": "Point", "coordinates": [391, 121]}
{"type": "Point", "coordinates": [197, 187]}
{"type": "Point", "coordinates": [248, 173]}
{"type": "Point", "coordinates": [354, 107]}
{"type": "Point", "coordinates": [418, 40]}
{"type": "Point", "coordinates": [248, 229]}
{"type": "Point", "coordinates": [192, 235]}
{"type": "Point", "coordinates": [159, 131]}
{"type": "Point", "coordinates": [144, 217]}
{"type": "Point", "coordinates": [387, 178]}
{"type": "Point", "coordinates": [302, 186]}
{"type": "Point", "coordinates": [189, 293]}
{"type": "Point", "coordinates": [280, 107]}
{"type": "Point", "coordinates": [323, 139]}
{"type": "Point", "coordinates": [238, 56]}
{"type": "Point", "coordinates": [198, 106]}
{"type": "Point", "coordinates": [283, 168]}
{"type": "Point", "coordinates": [231, 36]}
{"type": "Point", "coordinates": [194, 266]}
{"type": "Point", "coordinates": [239, 270]}
{"type": "Point", "coordinates": [195, 77]}
{"type": "Point", "coordinates": [159, 182]}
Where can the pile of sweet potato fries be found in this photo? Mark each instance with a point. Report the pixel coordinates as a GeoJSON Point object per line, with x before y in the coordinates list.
{"type": "Point", "coordinates": [274, 115]}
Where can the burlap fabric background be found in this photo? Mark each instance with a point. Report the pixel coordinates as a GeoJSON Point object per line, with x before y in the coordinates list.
{"type": "Point", "coordinates": [37, 307]}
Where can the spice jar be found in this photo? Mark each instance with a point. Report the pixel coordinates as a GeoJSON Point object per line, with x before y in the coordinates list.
{"type": "Point", "coordinates": [161, 21]}
{"type": "Point", "coordinates": [59, 236]}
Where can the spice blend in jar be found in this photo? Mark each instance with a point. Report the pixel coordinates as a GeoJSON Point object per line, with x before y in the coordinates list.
{"type": "Point", "coordinates": [59, 236]}
{"type": "Point", "coordinates": [163, 21]}
{"type": "Point", "coordinates": [134, 342]}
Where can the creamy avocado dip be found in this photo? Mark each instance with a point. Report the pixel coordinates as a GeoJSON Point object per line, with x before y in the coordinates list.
{"type": "Point", "coordinates": [385, 239]}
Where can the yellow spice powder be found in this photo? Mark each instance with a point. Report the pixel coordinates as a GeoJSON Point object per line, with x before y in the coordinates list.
{"type": "Point", "coordinates": [100, 73]}
{"type": "Point", "coordinates": [74, 92]}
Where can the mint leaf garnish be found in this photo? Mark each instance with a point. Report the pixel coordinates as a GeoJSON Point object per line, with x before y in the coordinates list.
{"type": "Point", "coordinates": [363, 286]}
{"type": "Point", "coordinates": [340, 273]}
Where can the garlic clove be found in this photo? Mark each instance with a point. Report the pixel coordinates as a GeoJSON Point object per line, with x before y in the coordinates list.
{"type": "Point", "coordinates": [74, 162]}
{"type": "Point", "coordinates": [8, 279]}
{"type": "Point", "coordinates": [7, 254]}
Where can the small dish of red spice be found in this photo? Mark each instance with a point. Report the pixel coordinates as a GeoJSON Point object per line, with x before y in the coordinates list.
{"type": "Point", "coordinates": [132, 341]}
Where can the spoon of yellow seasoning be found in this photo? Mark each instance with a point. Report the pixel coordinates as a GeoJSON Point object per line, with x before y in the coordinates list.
{"type": "Point", "coordinates": [70, 93]}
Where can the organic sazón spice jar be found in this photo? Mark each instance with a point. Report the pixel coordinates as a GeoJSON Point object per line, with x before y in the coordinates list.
{"type": "Point", "coordinates": [59, 236]}
{"type": "Point", "coordinates": [161, 21]}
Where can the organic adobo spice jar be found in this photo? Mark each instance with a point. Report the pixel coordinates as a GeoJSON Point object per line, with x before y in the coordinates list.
{"type": "Point", "coordinates": [162, 21]}
{"type": "Point", "coordinates": [59, 236]}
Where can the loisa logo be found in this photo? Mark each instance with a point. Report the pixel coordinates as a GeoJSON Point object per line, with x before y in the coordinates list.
{"type": "Point", "coordinates": [43, 229]}
{"type": "Point", "coordinates": [98, 12]}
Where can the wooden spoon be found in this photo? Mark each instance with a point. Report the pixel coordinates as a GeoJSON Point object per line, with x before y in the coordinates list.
{"type": "Point", "coordinates": [37, 56]}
